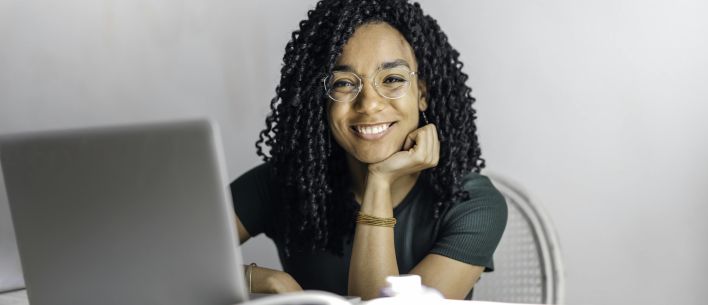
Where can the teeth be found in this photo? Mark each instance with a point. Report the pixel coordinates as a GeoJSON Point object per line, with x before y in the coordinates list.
{"type": "Point", "coordinates": [372, 129]}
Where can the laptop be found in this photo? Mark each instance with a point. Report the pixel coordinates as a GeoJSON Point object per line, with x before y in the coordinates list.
{"type": "Point", "coordinates": [135, 214]}
{"type": "Point", "coordinates": [10, 271]}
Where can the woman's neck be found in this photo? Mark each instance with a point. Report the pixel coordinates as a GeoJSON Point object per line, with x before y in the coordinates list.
{"type": "Point", "coordinates": [359, 172]}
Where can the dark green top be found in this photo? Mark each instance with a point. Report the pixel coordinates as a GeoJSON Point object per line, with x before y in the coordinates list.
{"type": "Point", "coordinates": [467, 231]}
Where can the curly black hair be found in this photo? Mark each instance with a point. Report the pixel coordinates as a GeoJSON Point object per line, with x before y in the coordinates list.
{"type": "Point", "coordinates": [317, 208]}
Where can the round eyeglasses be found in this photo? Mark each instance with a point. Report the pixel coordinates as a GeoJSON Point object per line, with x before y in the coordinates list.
{"type": "Point", "coordinates": [392, 83]}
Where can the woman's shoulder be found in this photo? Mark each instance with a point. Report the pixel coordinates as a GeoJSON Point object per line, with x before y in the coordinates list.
{"type": "Point", "coordinates": [480, 188]}
{"type": "Point", "coordinates": [253, 197]}
{"type": "Point", "coordinates": [258, 173]}
{"type": "Point", "coordinates": [472, 228]}
{"type": "Point", "coordinates": [256, 180]}
{"type": "Point", "coordinates": [483, 200]}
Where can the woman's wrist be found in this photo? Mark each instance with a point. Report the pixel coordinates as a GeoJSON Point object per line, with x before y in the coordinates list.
{"type": "Point", "coordinates": [282, 282]}
{"type": "Point", "coordinates": [377, 197]}
{"type": "Point", "coordinates": [266, 280]}
{"type": "Point", "coordinates": [379, 181]}
{"type": "Point", "coordinates": [259, 276]}
{"type": "Point", "coordinates": [249, 275]}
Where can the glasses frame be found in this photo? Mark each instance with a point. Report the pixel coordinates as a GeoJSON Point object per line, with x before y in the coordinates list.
{"type": "Point", "coordinates": [371, 79]}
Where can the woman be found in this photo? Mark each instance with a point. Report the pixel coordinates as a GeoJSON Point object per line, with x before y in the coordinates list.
{"type": "Point", "coordinates": [374, 160]}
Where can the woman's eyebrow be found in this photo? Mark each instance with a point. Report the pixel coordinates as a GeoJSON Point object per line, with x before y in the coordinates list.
{"type": "Point", "coordinates": [343, 68]}
{"type": "Point", "coordinates": [385, 65]}
{"type": "Point", "coordinates": [395, 63]}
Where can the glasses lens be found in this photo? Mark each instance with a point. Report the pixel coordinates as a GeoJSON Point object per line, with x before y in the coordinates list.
{"type": "Point", "coordinates": [342, 86]}
{"type": "Point", "coordinates": [393, 83]}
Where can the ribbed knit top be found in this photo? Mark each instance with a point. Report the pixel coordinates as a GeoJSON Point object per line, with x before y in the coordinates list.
{"type": "Point", "coordinates": [468, 231]}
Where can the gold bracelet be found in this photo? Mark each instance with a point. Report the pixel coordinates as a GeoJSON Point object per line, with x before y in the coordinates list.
{"type": "Point", "coordinates": [375, 221]}
{"type": "Point", "coordinates": [250, 273]}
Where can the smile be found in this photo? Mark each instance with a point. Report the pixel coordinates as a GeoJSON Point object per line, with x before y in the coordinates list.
{"type": "Point", "coordinates": [372, 132]}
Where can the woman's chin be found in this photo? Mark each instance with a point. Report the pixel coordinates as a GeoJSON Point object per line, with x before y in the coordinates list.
{"type": "Point", "coordinates": [372, 158]}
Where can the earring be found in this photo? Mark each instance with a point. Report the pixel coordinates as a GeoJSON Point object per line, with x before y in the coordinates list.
{"type": "Point", "coordinates": [425, 118]}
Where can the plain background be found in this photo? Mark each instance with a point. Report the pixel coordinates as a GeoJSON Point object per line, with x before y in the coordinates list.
{"type": "Point", "coordinates": [597, 108]}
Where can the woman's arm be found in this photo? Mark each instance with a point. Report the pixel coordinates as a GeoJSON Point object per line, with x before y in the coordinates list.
{"type": "Point", "coordinates": [373, 251]}
{"type": "Point", "coordinates": [265, 280]}
{"type": "Point", "coordinates": [243, 234]}
{"type": "Point", "coordinates": [454, 279]}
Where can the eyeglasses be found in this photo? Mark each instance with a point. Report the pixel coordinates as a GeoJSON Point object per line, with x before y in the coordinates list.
{"type": "Point", "coordinates": [392, 83]}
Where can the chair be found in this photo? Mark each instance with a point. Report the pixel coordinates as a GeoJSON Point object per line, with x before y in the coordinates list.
{"type": "Point", "coordinates": [527, 261]}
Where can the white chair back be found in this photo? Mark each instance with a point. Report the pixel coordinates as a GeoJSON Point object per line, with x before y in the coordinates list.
{"type": "Point", "coordinates": [527, 262]}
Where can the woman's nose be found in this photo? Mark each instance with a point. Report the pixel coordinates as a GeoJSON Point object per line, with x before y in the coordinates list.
{"type": "Point", "coordinates": [368, 100]}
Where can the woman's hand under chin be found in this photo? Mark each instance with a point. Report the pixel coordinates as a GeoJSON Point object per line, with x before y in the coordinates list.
{"type": "Point", "coordinates": [421, 150]}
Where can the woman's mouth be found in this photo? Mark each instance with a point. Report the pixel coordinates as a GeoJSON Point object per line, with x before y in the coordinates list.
{"type": "Point", "coordinates": [372, 132]}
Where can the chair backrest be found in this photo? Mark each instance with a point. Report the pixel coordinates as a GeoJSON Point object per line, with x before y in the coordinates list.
{"type": "Point", "coordinates": [527, 262]}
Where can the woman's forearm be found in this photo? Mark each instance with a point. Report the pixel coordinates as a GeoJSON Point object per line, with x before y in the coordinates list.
{"type": "Point", "coordinates": [373, 251]}
{"type": "Point", "coordinates": [265, 280]}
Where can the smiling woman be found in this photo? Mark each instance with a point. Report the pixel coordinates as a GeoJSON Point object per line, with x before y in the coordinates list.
{"type": "Point", "coordinates": [373, 168]}
{"type": "Point", "coordinates": [375, 126]}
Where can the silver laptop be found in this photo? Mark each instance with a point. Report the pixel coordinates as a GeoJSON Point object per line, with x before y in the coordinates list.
{"type": "Point", "coordinates": [124, 215]}
{"type": "Point", "coordinates": [10, 271]}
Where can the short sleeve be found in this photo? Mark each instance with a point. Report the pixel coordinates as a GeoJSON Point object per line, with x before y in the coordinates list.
{"type": "Point", "coordinates": [252, 197]}
{"type": "Point", "coordinates": [471, 230]}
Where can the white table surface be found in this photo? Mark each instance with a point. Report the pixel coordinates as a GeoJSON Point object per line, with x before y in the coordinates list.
{"type": "Point", "coordinates": [19, 297]}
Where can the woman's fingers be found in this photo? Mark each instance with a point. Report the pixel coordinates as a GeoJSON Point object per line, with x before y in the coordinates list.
{"type": "Point", "coordinates": [436, 146]}
{"type": "Point", "coordinates": [421, 150]}
{"type": "Point", "coordinates": [431, 144]}
{"type": "Point", "coordinates": [425, 149]}
{"type": "Point", "coordinates": [436, 149]}
{"type": "Point", "coordinates": [411, 139]}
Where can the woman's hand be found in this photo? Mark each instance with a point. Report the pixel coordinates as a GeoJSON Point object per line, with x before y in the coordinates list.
{"type": "Point", "coordinates": [264, 280]}
{"type": "Point", "coordinates": [421, 150]}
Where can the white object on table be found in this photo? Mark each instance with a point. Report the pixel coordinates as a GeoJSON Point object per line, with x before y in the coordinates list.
{"type": "Point", "coordinates": [18, 297]}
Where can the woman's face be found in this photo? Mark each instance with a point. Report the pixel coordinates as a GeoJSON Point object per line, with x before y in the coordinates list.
{"type": "Point", "coordinates": [371, 127]}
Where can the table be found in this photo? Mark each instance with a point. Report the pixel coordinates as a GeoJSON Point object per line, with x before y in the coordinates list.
{"type": "Point", "coordinates": [19, 297]}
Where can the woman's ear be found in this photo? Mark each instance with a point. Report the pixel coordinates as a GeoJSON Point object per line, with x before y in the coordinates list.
{"type": "Point", "coordinates": [422, 96]}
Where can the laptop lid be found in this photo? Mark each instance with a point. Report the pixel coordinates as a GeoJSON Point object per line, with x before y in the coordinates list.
{"type": "Point", "coordinates": [10, 271]}
{"type": "Point", "coordinates": [124, 215]}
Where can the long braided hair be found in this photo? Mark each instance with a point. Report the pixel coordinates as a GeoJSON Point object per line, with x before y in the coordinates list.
{"type": "Point", "coordinates": [316, 211]}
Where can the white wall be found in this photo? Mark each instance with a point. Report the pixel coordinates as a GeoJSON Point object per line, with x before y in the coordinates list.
{"type": "Point", "coordinates": [595, 107]}
{"type": "Point", "coordinates": [598, 108]}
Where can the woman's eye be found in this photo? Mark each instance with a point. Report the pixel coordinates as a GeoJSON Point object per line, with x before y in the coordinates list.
{"type": "Point", "coordinates": [393, 79]}
{"type": "Point", "coordinates": [342, 83]}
